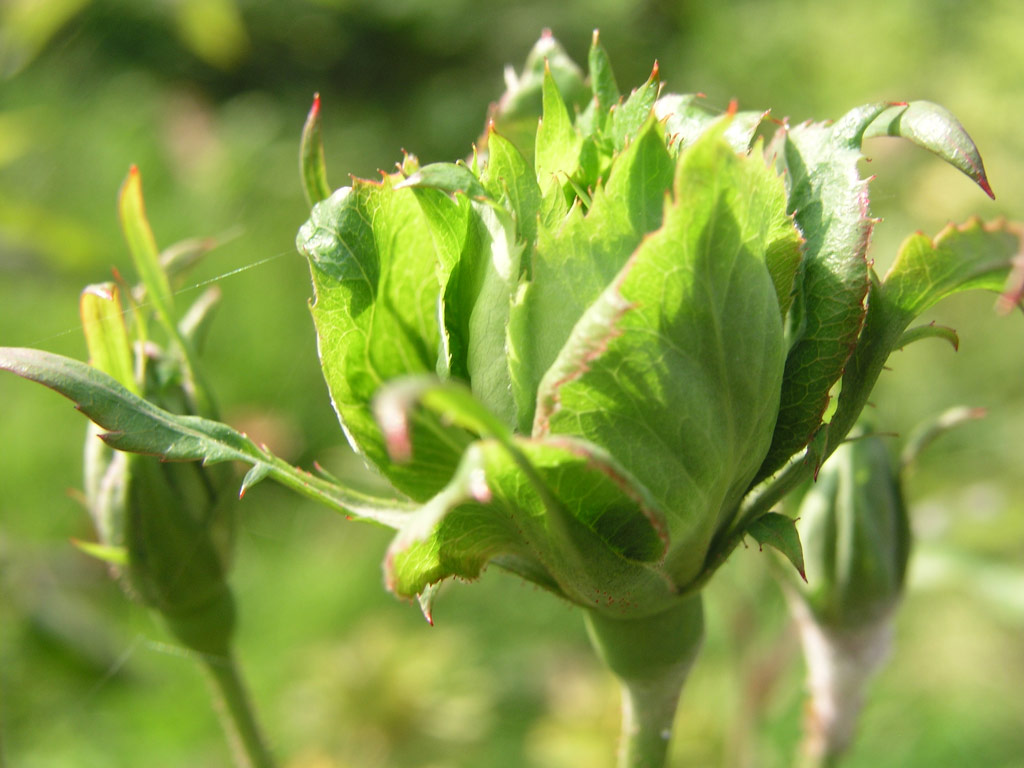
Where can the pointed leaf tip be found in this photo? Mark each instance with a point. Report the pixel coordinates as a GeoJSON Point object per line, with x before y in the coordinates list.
{"type": "Point", "coordinates": [312, 165]}
{"type": "Point", "coordinates": [936, 129]}
{"type": "Point", "coordinates": [780, 532]}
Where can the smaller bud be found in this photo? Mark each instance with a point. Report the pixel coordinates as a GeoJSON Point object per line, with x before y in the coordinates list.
{"type": "Point", "coordinates": [856, 540]}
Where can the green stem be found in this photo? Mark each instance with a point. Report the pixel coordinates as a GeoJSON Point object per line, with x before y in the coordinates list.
{"type": "Point", "coordinates": [236, 713]}
{"type": "Point", "coordinates": [651, 657]}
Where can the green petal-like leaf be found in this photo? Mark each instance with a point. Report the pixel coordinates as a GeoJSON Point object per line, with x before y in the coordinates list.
{"type": "Point", "coordinates": [577, 260]}
{"type": "Point", "coordinates": [447, 177]}
{"type": "Point", "coordinates": [780, 532]}
{"type": "Point", "coordinates": [508, 178]}
{"type": "Point", "coordinates": [575, 523]}
{"type": "Point", "coordinates": [933, 127]}
{"type": "Point", "coordinates": [686, 118]}
{"type": "Point", "coordinates": [558, 144]}
{"type": "Point", "coordinates": [312, 166]}
{"type": "Point", "coordinates": [631, 116]}
{"type": "Point", "coordinates": [675, 368]}
{"type": "Point", "coordinates": [106, 335]}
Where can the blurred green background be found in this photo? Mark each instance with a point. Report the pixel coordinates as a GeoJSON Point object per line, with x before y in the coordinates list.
{"type": "Point", "coordinates": [208, 98]}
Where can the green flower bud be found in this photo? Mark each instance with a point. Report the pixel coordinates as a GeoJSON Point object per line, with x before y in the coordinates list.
{"type": "Point", "coordinates": [170, 524]}
{"type": "Point", "coordinates": [856, 537]}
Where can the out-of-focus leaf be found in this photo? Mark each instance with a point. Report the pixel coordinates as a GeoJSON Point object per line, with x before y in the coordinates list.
{"type": "Point", "coordinates": [117, 556]}
{"type": "Point", "coordinates": [933, 127]}
{"type": "Point", "coordinates": [312, 165]}
{"type": "Point", "coordinates": [676, 366]}
{"type": "Point", "coordinates": [106, 335]}
{"type": "Point", "coordinates": [926, 433]}
{"type": "Point", "coordinates": [26, 26]}
{"type": "Point", "coordinates": [779, 531]}
{"type": "Point", "coordinates": [214, 30]}
{"type": "Point", "coordinates": [602, 82]}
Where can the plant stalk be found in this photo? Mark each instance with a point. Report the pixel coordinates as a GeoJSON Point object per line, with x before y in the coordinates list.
{"type": "Point", "coordinates": [236, 714]}
{"type": "Point", "coordinates": [651, 657]}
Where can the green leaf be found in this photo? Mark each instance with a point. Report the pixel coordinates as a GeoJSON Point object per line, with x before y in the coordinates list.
{"type": "Point", "coordinates": [962, 258]}
{"type": "Point", "coordinates": [686, 118]}
{"type": "Point", "coordinates": [452, 178]}
{"type": "Point", "coordinates": [146, 258]}
{"type": "Point", "coordinates": [509, 179]}
{"type": "Point", "coordinates": [142, 246]}
{"type": "Point", "coordinates": [929, 331]}
{"type": "Point", "coordinates": [312, 166]}
{"type": "Point", "coordinates": [830, 203]}
{"type": "Point", "coordinates": [602, 83]}
{"type": "Point", "coordinates": [629, 118]}
{"type": "Point", "coordinates": [936, 129]}
{"type": "Point", "coordinates": [117, 556]}
{"type": "Point", "coordinates": [575, 261]}
{"type": "Point", "coordinates": [558, 144]}
{"type": "Point", "coordinates": [375, 268]}
{"type": "Point", "coordinates": [515, 114]}
{"type": "Point", "coordinates": [138, 426]}
{"type": "Point", "coordinates": [575, 523]}
{"type": "Point", "coordinates": [779, 531]}
{"type": "Point", "coordinates": [926, 433]}
{"type": "Point", "coordinates": [974, 255]}
{"type": "Point", "coordinates": [106, 335]}
{"type": "Point", "coordinates": [675, 368]}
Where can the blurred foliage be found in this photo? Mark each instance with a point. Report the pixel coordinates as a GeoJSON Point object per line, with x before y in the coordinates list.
{"type": "Point", "coordinates": [208, 98]}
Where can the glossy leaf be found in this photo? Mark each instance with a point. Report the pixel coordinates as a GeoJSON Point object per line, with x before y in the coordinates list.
{"type": "Point", "coordinates": [375, 265]}
{"type": "Point", "coordinates": [686, 117]}
{"type": "Point", "coordinates": [933, 127]}
{"type": "Point", "coordinates": [830, 203]}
